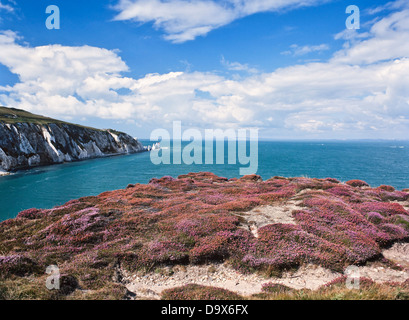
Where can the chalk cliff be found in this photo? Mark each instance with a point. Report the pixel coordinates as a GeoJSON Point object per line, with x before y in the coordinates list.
{"type": "Point", "coordinates": [28, 140]}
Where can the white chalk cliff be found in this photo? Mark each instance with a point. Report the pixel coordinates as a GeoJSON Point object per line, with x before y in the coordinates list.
{"type": "Point", "coordinates": [28, 144]}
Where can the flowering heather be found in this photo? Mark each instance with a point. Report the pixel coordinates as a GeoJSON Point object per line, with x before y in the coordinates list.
{"type": "Point", "coordinates": [341, 191]}
{"type": "Point", "coordinates": [375, 217]}
{"type": "Point", "coordinates": [30, 214]}
{"type": "Point", "coordinates": [201, 218]}
{"type": "Point", "coordinates": [198, 292]}
{"type": "Point", "coordinates": [384, 208]}
{"type": "Point", "coordinates": [342, 280]}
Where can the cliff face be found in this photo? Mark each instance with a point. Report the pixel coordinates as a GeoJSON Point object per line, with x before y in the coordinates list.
{"type": "Point", "coordinates": [29, 144]}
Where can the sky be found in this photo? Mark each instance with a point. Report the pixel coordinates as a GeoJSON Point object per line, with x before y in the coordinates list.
{"type": "Point", "coordinates": [290, 68]}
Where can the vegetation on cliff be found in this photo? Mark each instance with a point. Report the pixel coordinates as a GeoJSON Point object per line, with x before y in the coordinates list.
{"type": "Point", "coordinates": [13, 116]}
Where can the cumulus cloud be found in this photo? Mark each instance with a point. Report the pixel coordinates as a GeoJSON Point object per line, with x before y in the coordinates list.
{"type": "Point", "coordinates": [184, 20]}
{"type": "Point", "coordinates": [360, 92]}
{"type": "Point", "coordinates": [387, 39]}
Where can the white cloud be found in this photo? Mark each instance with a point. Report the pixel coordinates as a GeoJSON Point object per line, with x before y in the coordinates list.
{"type": "Point", "coordinates": [184, 20]}
{"type": "Point", "coordinates": [237, 66]}
{"type": "Point", "coordinates": [387, 39]}
{"type": "Point", "coordinates": [296, 50]}
{"type": "Point", "coordinates": [360, 92]}
{"type": "Point", "coordinates": [392, 5]}
{"type": "Point", "coordinates": [6, 7]}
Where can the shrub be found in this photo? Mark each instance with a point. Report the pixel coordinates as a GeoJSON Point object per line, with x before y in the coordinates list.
{"type": "Point", "coordinates": [384, 208]}
{"type": "Point", "coordinates": [357, 183]}
{"type": "Point", "coordinates": [395, 232]}
{"type": "Point", "coordinates": [341, 191]}
{"type": "Point", "coordinates": [68, 284]}
{"type": "Point", "coordinates": [275, 288]}
{"type": "Point", "coordinates": [375, 217]}
{"type": "Point", "coordinates": [31, 214]}
{"type": "Point", "coordinates": [160, 252]}
{"type": "Point", "coordinates": [387, 188]}
{"type": "Point", "coordinates": [17, 265]}
{"type": "Point", "coordinates": [251, 178]}
{"type": "Point", "coordinates": [213, 248]}
{"type": "Point", "coordinates": [198, 292]}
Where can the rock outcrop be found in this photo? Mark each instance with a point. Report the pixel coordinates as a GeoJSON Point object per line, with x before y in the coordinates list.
{"type": "Point", "coordinates": [28, 143]}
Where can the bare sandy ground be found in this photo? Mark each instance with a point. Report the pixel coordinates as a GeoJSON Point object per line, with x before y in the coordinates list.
{"type": "Point", "coordinates": [398, 253]}
{"type": "Point", "coordinates": [308, 276]}
{"type": "Point", "coordinates": [219, 275]}
{"type": "Point", "coordinates": [265, 215]}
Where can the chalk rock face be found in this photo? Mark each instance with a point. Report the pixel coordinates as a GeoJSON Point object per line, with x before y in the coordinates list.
{"type": "Point", "coordinates": [25, 145]}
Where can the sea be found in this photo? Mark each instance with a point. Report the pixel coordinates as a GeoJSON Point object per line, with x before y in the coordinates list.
{"type": "Point", "coordinates": [376, 162]}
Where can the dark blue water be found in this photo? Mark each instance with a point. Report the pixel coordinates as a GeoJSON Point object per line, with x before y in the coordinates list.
{"type": "Point", "coordinates": [375, 162]}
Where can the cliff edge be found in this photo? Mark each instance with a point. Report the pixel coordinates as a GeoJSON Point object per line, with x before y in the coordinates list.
{"type": "Point", "coordinates": [29, 140]}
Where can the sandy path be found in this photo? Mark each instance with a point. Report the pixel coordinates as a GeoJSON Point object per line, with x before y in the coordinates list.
{"type": "Point", "coordinates": [309, 276]}
{"type": "Point", "coordinates": [221, 276]}
{"type": "Point", "coordinates": [218, 275]}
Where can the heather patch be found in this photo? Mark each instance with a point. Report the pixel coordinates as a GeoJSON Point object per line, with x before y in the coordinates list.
{"type": "Point", "coordinates": [357, 183]}
{"type": "Point", "coordinates": [384, 208]}
{"type": "Point", "coordinates": [268, 227]}
{"type": "Point", "coordinates": [17, 265]}
{"type": "Point", "coordinates": [198, 292]}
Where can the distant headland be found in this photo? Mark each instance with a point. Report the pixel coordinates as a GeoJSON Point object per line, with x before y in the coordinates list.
{"type": "Point", "coordinates": [28, 140]}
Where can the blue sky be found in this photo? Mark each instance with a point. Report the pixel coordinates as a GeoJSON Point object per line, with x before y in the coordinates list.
{"type": "Point", "coordinates": [287, 67]}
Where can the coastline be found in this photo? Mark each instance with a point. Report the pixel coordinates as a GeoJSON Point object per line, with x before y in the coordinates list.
{"type": "Point", "coordinates": [4, 173]}
{"type": "Point", "coordinates": [28, 168]}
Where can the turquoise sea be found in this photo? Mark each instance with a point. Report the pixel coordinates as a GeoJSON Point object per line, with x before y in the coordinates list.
{"type": "Point", "coordinates": [376, 162]}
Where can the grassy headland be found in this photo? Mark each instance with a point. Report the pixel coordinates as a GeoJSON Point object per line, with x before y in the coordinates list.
{"type": "Point", "coordinates": [197, 219]}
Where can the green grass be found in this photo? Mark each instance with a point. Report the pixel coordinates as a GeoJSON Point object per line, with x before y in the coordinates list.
{"type": "Point", "coordinates": [375, 291]}
{"type": "Point", "coordinates": [13, 116]}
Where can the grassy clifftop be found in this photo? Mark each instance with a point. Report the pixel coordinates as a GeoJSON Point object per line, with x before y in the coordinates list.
{"type": "Point", "coordinates": [13, 116]}
{"type": "Point", "coordinates": [195, 219]}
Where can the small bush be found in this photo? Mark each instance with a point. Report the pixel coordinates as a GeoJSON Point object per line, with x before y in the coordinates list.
{"type": "Point", "coordinates": [31, 214]}
{"type": "Point", "coordinates": [357, 183]}
{"type": "Point", "coordinates": [198, 292]}
{"type": "Point", "coordinates": [375, 217]}
{"type": "Point", "coordinates": [17, 265]}
{"type": "Point", "coordinates": [387, 188]}
{"type": "Point", "coordinates": [275, 288]}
